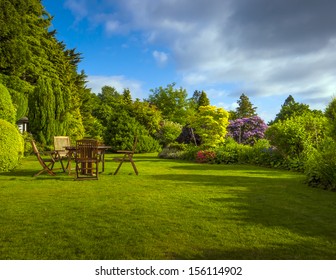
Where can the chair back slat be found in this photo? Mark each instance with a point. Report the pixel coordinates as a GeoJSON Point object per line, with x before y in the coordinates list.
{"type": "Point", "coordinates": [60, 142]}
{"type": "Point", "coordinates": [87, 159]}
{"type": "Point", "coordinates": [86, 149]}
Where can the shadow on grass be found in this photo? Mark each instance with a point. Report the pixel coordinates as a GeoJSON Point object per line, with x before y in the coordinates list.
{"type": "Point", "coordinates": [271, 252]}
{"type": "Point", "coordinates": [29, 173]}
{"type": "Point", "coordinates": [223, 167]}
{"type": "Point", "coordinates": [139, 158]}
{"type": "Point", "coordinates": [275, 202]}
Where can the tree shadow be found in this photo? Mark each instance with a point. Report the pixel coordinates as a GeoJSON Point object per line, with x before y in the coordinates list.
{"type": "Point", "coordinates": [263, 200]}
{"type": "Point", "coordinates": [275, 251]}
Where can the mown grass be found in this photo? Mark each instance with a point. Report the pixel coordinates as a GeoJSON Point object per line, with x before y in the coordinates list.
{"type": "Point", "coordinates": [172, 210]}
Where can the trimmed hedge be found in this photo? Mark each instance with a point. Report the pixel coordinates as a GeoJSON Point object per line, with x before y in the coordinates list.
{"type": "Point", "coordinates": [7, 110]}
{"type": "Point", "coordinates": [11, 146]}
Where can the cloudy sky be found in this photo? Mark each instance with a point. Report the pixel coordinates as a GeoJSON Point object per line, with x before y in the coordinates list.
{"type": "Point", "coordinates": [265, 49]}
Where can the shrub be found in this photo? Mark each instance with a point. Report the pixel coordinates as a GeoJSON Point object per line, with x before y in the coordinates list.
{"type": "Point", "coordinates": [180, 151]}
{"type": "Point", "coordinates": [320, 165]}
{"type": "Point", "coordinates": [11, 146]}
{"type": "Point", "coordinates": [168, 132]}
{"type": "Point", "coordinates": [205, 156]}
{"type": "Point", "coordinates": [7, 110]}
{"type": "Point", "coordinates": [231, 152]}
{"type": "Point", "coordinates": [171, 153]}
{"type": "Point", "coordinates": [291, 136]}
{"type": "Point", "coordinates": [146, 144]}
{"type": "Point", "coordinates": [247, 130]}
{"type": "Point", "coordinates": [120, 132]}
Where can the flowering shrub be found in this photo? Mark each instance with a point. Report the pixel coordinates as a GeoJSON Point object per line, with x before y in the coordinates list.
{"type": "Point", "coordinates": [247, 130]}
{"type": "Point", "coordinates": [205, 156]}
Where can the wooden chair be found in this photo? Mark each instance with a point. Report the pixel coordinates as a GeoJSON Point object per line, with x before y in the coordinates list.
{"type": "Point", "coordinates": [128, 157]}
{"type": "Point", "coordinates": [46, 163]}
{"type": "Point", "coordinates": [87, 159]}
{"type": "Point", "coordinates": [60, 142]}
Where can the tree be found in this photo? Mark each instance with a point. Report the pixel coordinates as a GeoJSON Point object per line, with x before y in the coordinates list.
{"type": "Point", "coordinates": [30, 52]}
{"type": "Point", "coordinates": [247, 130]}
{"type": "Point", "coordinates": [203, 100]}
{"type": "Point", "coordinates": [42, 111]}
{"type": "Point", "coordinates": [245, 108]}
{"type": "Point", "coordinates": [19, 91]}
{"type": "Point", "coordinates": [126, 96]}
{"type": "Point", "coordinates": [122, 128]}
{"type": "Point", "coordinates": [210, 124]}
{"type": "Point", "coordinates": [93, 127]}
{"type": "Point", "coordinates": [171, 102]}
{"type": "Point", "coordinates": [110, 96]}
{"type": "Point", "coordinates": [289, 109]}
{"type": "Point", "coordinates": [198, 99]}
{"type": "Point", "coordinates": [330, 113]}
{"type": "Point", "coordinates": [146, 114]}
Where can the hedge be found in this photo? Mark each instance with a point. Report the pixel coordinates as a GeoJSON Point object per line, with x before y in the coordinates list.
{"type": "Point", "coordinates": [11, 146]}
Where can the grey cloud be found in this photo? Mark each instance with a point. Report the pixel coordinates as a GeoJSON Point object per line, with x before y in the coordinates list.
{"type": "Point", "coordinates": [265, 47]}
{"type": "Point", "coordinates": [285, 26]}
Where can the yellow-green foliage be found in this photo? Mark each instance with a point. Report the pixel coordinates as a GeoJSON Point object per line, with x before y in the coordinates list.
{"type": "Point", "coordinates": [210, 124]}
{"type": "Point", "coordinates": [7, 110]}
{"type": "Point", "coordinates": [11, 146]}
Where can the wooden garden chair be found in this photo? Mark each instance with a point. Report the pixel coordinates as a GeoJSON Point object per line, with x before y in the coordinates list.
{"type": "Point", "coordinates": [128, 157]}
{"type": "Point", "coordinates": [46, 162]}
{"type": "Point", "coordinates": [60, 142]}
{"type": "Point", "coordinates": [87, 159]}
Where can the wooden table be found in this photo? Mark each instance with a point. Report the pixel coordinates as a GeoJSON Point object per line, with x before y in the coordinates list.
{"type": "Point", "coordinates": [101, 150]}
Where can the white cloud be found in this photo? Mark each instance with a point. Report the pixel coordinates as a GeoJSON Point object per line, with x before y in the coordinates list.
{"type": "Point", "coordinates": [112, 26]}
{"type": "Point", "coordinates": [118, 82]}
{"type": "Point", "coordinates": [264, 49]}
{"type": "Point", "coordinates": [160, 57]}
{"type": "Point", "coordinates": [78, 7]}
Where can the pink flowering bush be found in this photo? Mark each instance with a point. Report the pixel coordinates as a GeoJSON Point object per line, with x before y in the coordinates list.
{"type": "Point", "coordinates": [205, 156]}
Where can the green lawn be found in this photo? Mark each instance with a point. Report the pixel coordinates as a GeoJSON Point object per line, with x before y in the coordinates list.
{"type": "Point", "coordinates": [172, 210]}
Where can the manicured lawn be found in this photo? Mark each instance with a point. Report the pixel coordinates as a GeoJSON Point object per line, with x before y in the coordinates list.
{"type": "Point", "coordinates": [172, 210]}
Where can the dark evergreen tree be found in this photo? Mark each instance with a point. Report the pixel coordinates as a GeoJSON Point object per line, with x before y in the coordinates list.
{"type": "Point", "coordinates": [42, 111]}
{"type": "Point", "coordinates": [126, 96]}
{"type": "Point", "coordinates": [203, 100]}
{"type": "Point", "coordinates": [245, 108]}
{"type": "Point", "coordinates": [290, 108]}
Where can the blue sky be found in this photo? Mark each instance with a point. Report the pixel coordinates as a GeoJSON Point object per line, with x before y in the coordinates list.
{"type": "Point", "coordinates": [265, 49]}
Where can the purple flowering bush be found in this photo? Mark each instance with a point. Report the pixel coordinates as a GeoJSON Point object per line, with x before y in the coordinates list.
{"type": "Point", "coordinates": [247, 130]}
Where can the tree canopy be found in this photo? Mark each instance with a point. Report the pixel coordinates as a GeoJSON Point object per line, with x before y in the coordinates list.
{"type": "Point", "coordinates": [171, 102]}
{"type": "Point", "coordinates": [290, 108]}
{"type": "Point", "coordinates": [36, 67]}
